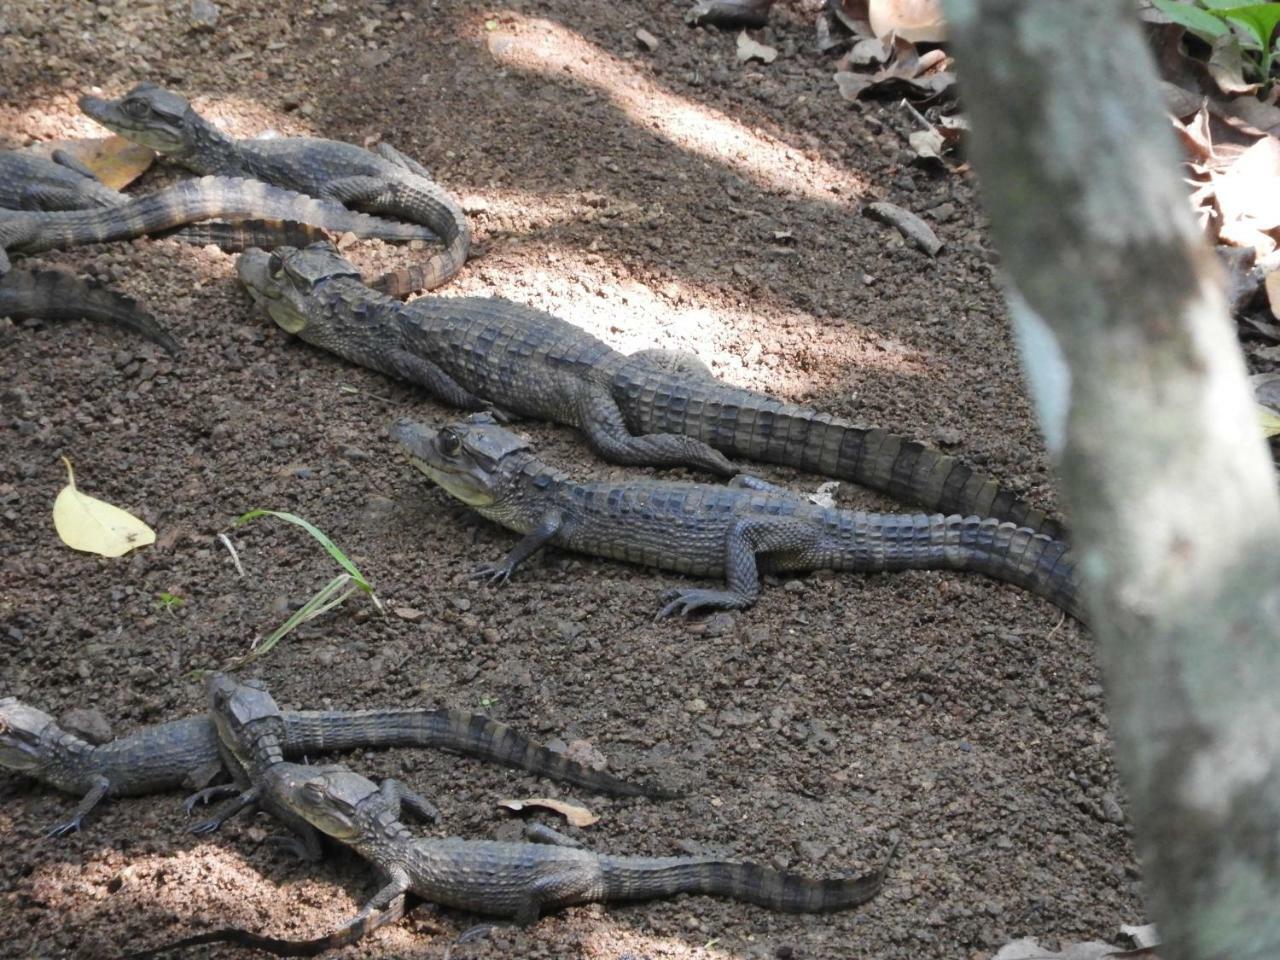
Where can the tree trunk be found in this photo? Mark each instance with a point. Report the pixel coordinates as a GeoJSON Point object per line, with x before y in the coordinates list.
{"type": "Point", "coordinates": [1141, 391]}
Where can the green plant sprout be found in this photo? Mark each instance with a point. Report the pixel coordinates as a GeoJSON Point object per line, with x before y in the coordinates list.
{"type": "Point", "coordinates": [169, 603]}
{"type": "Point", "coordinates": [332, 594]}
{"type": "Point", "coordinates": [1212, 20]}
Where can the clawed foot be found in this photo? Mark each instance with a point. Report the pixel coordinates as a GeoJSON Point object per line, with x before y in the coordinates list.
{"type": "Point", "coordinates": [684, 602]}
{"type": "Point", "coordinates": [294, 846]}
{"type": "Point", "coordinates": [504, 417]}
{"type": "Point", "coordinates": [493, 573]}
{"type": "Point", "coordinates": [62, 829]}
{"type": "Point", "coordinates": [208, 795]}
{"type": "Point", "coordinates": [204, 827]}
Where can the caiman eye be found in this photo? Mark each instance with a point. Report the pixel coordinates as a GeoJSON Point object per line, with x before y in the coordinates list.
{"type": "Point", "coordinates": [450, 443]}
{"type": "Point", "coordinates": [275, 267]}
{"type": "Point", "coordinates": [138, 109]}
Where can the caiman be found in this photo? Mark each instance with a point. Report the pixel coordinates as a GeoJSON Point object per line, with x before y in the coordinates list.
{"type": "Point", "coordinates": [191, 200]}
{"type": "Point", "coordinates": [521, 880]}
{"type": "Point", "coordinates": [473, 352]}
{"type": "Point", "coordinates": [732, 531]}
{"type": "Point", "coordinates": [185, 752]}
{"type": "Point", "coordinates": [59, 295]}
{"type": "Point", "coordinates": [386, 182]}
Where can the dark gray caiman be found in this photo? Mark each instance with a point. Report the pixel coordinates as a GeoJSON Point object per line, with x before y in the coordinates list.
{"type": "Point", "coordinates": [185, 752]}
{"type": "Point", "coordinates": [521, 880]}
{"type": "Point", "coordinates": [386, 182]}
{"type": "Point", "coordinates": [30, 232]}
{"type": "Point", "coordinates": [59, 295]}
{"type": "Point", "coordinates": [472, 352]}
{"type": "Point", "coordinates": [731, 531]}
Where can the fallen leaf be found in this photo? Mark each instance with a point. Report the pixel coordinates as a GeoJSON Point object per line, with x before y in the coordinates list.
{"type": "Point", "coordinates": [573, 814]}
{"type": "Point", "coordinates": [1029, 948]}
{"type": "Point", "coordinates": [1271, 283]}
{"type": "Point", "coordinates": [115, 161]}
{"type": "Point", "coordinates": [1142, 936]}
{"type": "Point", "coordinates": [919, 21]}
{"type": "Point", "coordinates": [915, 230]}
{"type": "Point", "coordinates": [749, 49]}
{"type": "Point", "coordinates": [412, 614]}
{"type": "Point", "coordinates": [927, 144]}
{"type": "Point", "coordinates": [89, 524]}
{"type": "Point", "coordinates": [1226, 66]}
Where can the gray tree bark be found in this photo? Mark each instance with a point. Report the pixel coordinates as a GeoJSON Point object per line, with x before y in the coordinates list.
{"type": "Point", "coordinates": [1141, 392]}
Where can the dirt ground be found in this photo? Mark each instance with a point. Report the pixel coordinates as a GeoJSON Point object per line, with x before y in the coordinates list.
{"type": "Point", "coordinates": [673, 198]}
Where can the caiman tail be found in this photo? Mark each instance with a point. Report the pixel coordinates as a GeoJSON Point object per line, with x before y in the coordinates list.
{"type": "Point", "coordinates": [59, 295]}
{"type": "Point", "coordinates": [185, 202]}
{"type": "Point", "coordinates": [470, 734]}
{"type": "Point", "coordinates": [998, 549]}
{"type": "Point", "coordinates": [421, 201]}
{"type": "Point", "coordinates": [751, 426]}
{"type": "Point", "coordinates": [242, 235]}
{"type": "Point", "coordinates": [643, 878]}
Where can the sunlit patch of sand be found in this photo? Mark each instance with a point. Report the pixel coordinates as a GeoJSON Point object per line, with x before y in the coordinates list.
{"type": "Point", "coordinates": [545, 47]}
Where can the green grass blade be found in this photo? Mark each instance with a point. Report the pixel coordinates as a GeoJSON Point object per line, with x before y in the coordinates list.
{"type": "Point", "coordinates": [321, 537]}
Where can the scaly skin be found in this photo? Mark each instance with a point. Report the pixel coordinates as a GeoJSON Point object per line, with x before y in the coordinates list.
{"type": "Point", "coordinates": [471, 352]}
{"type": "Point", "coordinates": [183, 203]}
{"type": "Point", "coordinates": [59, 295]}
{"type": "Point", "coordinates": [29, 181]}
{"type": "Point", "coordinates": [521, 880]}
{"type": "Point", "coordinates": [185, 752]}
{"type": "Point", "coordinates": [728, 531]}
{"type": "Point", "coordinates": [386, 182]}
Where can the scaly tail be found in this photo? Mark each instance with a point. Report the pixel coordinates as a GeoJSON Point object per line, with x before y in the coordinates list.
{"type": "Point", "coordinates": [1000, 550]}
{"type": "Point", "coordinates": [422, 202]}
{"type": "Point", "coordinates": [186, 202]}
{"type": "Point", "coordinates": [241, 235]}
{"type": "Point", "coordinates": [742, 423]}
{"type": "Point", "coordinates": [59, 295]}
{"type": "Point", "coordinates": [643, 878]}
{"type": "Point", "coordinates": [457, 731]}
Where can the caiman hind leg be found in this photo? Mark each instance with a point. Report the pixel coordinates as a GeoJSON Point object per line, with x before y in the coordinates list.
{"type": "Point", "coordinates": [747, 537]}
{"type": "Point", "coordinates": [434, 380]}
{"type": "Point", "coordinates": [606, 431]}
{"type": "Point", "coordinates": [389, 153]}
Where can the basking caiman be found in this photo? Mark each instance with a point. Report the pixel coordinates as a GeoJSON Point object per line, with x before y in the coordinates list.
{"type": "Point", "coordinates": [59, 295]}
{"type": "Point", "coordinates": [32, 232]}
{"type": "Point", "coordinates": [185, 752]}
{"type": "Point", "coordinates": [729, 531]}
{"type": "Point", "coordinates": [472, 352]}
{"type": "Point", "coordinates": [521, 880]}
{"type": "Point", "coordinates": [386, 182]}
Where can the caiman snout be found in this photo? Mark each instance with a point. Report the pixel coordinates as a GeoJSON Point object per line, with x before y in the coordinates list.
{"type": "Point", "coordinates": [416, 438]}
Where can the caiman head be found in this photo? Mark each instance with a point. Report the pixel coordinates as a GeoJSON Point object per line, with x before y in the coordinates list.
{"type": "Point", "coordinates": [22, 729]}
{"type": "Point", "coordinates": [328, 799]}
{"type": "Point", "coordinates": [154, 117]}
{"type": "Point", "coordinates": [283, 281]}
{"type": "Point", "coordinates": [473, 460]}
{"type": "Point", "coordinates": [243, 713]}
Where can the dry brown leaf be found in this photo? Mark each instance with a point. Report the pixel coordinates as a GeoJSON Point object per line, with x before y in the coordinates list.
{"type": "Point", "coordinates": [1248, 191]}
{"type": "Point", "coordinates": [927, 144]}
{"type": "Point", "coordinates": [1226, 66]}
{"type": "Point", "coordinates": [919, 21]}
{"type": "Point", "coordinates": [916, 231]}
{"type": "Point", "coordinates": [115, 161]}
{"type": "Point", "coordinates": [1271, 283]}
{"type": "Point", "coordinates": [573, 814]}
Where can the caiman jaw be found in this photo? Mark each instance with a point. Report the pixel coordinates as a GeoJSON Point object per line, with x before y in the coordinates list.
{"type": "Point", "coordinates": [253, 269]}
{"type": "Point", "coordinates": [422, 444]}
{"type": "Point", "coordinates": [111, 115]}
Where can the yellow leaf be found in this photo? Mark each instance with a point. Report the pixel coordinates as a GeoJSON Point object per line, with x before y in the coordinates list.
{"type": "Point", "coordinates": [87, 523]}
{"type": "Point", "coordinates": [1270, 421]}
{"type": "Point", "coordinates": [577, 816]}
{"type": "Point", "coordinates": [117, 162]}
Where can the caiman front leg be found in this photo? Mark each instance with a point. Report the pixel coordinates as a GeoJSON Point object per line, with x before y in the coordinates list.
{"type": "Point", "coordinates": [606, 430]}
{"type": "Point", "coordinates": [747, 537]}
{"type": "Point", "coordinates": [431, 378]}
{"type": "Point", "coordinates": [396, 796]}
{"type": "Point", "coordinates": [243, 800]}
{"type": "Point", "coordinates": [533, 541]}
{"type": "Point", "coordinates": [97, 790]}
